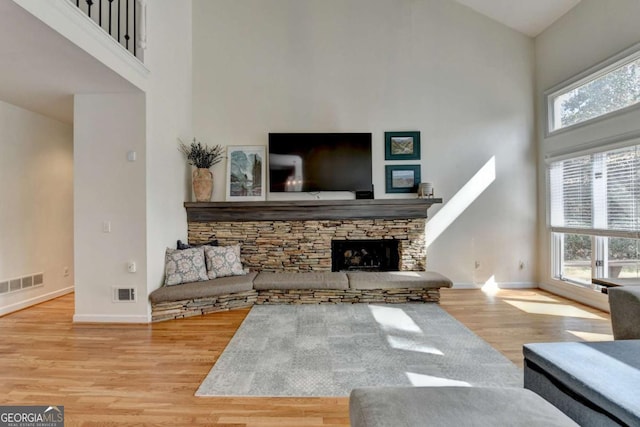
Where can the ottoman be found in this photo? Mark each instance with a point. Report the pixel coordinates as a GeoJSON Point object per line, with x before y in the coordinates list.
{"type": "Point", "coordinates": [451, 406]}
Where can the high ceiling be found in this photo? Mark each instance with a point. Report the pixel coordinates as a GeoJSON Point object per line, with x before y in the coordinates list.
{"type": "Point", "coordinates": [41, 70]}
{"type": "Point", "coordinates": [530, 17]}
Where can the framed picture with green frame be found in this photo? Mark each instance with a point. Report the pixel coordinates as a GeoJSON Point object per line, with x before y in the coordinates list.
{"type": "Point", "coordinates": [402, 145]}
{"type": "Point", "coordinates": [402, 178]}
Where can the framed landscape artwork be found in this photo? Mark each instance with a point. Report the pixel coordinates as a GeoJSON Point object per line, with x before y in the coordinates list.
{"type": "Point", "coordinates": [402, 145]}
{"type": "Point", "coordinates": [246, 173]}
{"type": "Point", "coordinates": [402, 178]}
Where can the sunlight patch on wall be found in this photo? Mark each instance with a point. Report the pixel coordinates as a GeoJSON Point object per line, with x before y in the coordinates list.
{"type": "Point", "coordinates": [490, 287]}
{"type": "Point", "coordinates": [460, 201]}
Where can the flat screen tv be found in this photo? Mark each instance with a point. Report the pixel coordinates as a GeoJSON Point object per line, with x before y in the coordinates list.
{"type": "Point", "coordinates": [319, 162]}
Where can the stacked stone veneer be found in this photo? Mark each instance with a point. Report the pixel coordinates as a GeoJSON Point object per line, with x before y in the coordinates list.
{"type": "Point", "coordinates": [306, 245]}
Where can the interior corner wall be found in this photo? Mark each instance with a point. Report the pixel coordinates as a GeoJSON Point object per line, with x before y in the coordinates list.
{"type": "Point", "coordinates": [168, 118]}
{"type": "Point", "coordinates": [36, 205]}
{"type": "Point", "coordinates": [590, 33]}
{"type": "Point", "coordinates": [465, 81]}
{"type": "Point", "coordinates": [109, 206]}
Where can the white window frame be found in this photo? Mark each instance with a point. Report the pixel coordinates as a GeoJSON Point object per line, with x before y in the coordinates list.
{"type": "Point", "coordinates": [599, 235]}
{"type": "Point", "coordinates": [620, 59]}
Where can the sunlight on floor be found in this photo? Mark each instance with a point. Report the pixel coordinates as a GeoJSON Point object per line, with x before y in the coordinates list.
{"type": "Point", "coordinates": [421, 380]}
{"type": "Point", "coordinates": [563, 310]}
{"type": "Point", "coordinates": [402, 343]}
{"type": "Point", "coordinates": [535, 297]}
{"type": "Point", "coordinates": [591, 336]}
{"type": "Point", "coordinates": [460, 201]}
{"type": "Point", "coordinates": [490, 287]}
{"type": "Point", "coordinates": [394, 318]}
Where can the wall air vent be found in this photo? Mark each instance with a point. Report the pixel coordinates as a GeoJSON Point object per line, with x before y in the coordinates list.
{"type": "Point", "coordinates": [19, 283]}
{"type": "Point", "coordinates": [124, 294]}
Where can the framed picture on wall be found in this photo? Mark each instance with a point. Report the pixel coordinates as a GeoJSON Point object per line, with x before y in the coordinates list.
{"type": "Point", "coordinates": [402, 178]}
{"type": "Point", "coordinates": [246, 173]}
{"type": "Point", "coordinates": [402, 145]}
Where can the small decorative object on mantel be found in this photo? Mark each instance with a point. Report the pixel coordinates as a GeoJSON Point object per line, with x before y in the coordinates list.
{"type": "Point", "coordinates": [425, 190]}
{"type": "Point", "coordinates": [203, 158]}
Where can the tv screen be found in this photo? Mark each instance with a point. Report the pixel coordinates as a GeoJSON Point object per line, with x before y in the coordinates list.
{"type": "Point", "coordinates": [319, 162]}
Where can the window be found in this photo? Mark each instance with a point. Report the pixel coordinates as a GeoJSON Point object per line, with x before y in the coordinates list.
{"type": "Point", "coordinates": [614, 86]}
{"type": "Point", "coordinates": [595, 215]}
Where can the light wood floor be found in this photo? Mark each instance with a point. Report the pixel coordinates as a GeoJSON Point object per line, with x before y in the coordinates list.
{"type": "Point", "coordinates": [148, 374]}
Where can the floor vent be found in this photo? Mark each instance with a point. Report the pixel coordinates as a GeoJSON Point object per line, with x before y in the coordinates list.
{"type": "Point", "coordinates": [19, 283]}
{"type": "Point", "coordinates": [124, 294]}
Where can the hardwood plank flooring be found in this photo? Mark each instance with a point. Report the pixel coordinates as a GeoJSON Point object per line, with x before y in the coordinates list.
{"type": "Point", "coordinates": [147, 374]}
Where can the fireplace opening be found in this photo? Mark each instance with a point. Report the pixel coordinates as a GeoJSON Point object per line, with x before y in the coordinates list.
{"type": "Point", "coordinates": [365, 255]}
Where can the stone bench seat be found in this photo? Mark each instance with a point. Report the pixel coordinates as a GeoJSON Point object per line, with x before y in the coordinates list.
{"type": "Point", "coordinates": [398, 280]}
{"type": "Point", "coordinates": [452, 406]}
{"type": "Point", "coordinates": [204, 289]}
{"type": "Point", "coordinates": [192, 299]}
{"type": "Point", "coordinates": [307, 280]}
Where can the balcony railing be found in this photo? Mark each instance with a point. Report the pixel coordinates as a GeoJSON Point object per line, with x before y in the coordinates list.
{"type": "Point", "coordinates": [121, 19]}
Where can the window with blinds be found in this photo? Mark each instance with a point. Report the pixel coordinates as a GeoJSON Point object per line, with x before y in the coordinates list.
{"type": "Point", "coordinates": [597, 194]}
{"type": "Point", "coordinates": [595, 216]}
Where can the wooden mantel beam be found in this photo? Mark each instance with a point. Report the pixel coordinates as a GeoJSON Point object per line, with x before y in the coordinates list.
{"type": "Point", "coordinates": [309, 210]}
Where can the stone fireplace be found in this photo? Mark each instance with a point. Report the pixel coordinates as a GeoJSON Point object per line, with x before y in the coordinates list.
{"type": "Point", "coordinates": [365, 255]}
{"type": "Point", "coordinates": [298, 236]}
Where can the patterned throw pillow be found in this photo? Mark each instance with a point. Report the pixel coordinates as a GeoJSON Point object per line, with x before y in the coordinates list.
{"type": "Point", "coordinates": [184, 266]}
{"type": "Point", "coordinates": [223, 261]}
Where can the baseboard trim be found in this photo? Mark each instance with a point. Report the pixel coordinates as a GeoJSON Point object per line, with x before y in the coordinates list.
{"type": "Point", "coordinates": [21, 305]}
{"type": "Point", "coordinates": [505, 285]}
{"type": "Point", "coordinates": [110, 318]}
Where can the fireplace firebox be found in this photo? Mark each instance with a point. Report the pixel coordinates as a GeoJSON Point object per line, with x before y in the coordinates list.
{"type": "Point", "coordinates": [365, 255]}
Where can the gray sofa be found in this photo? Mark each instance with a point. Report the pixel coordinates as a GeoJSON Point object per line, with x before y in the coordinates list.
{"type": "Point", "coordinates": [225, 293]}
{"type": "Point", "coordinates": [596, 384]}
{"type": "Point", "coordinates": [625, 312]}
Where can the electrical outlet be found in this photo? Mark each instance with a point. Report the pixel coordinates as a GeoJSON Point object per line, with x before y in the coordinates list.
{"type": "Point", "coordinates": [106, 226]}
{"type": "Point", "coordinates": [132, 267]}
{"type": "Point", "coordinates": [65, 272]}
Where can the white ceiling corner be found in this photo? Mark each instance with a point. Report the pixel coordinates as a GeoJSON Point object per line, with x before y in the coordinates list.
{"type": "Point", "coordinates": [530, 17]}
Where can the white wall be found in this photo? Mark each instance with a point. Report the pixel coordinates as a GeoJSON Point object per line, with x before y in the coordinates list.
{"type": "Point", "coordinates": [590, 33]}
{"type": "Point", "coordinates": [168, 118]}
{"type": "Point", "coordinates": [463, 80]}
{"type": "Point", "coordinates": [108, 187]}
{"type": "Point", "coordinates": [143, 200]}
{"type": "Point", "coordinates": [36, 204]}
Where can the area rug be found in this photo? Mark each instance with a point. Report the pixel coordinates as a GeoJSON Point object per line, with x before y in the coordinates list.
{"type": "Point", "coordinates": [327, 350]}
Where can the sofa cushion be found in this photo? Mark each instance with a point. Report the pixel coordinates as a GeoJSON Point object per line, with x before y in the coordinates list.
{"type": "Point", "coordinates": [397, 280]}
{"type": "Point", "coordinates": [451, 406]}
{"type": "Point", "coordinates": [223, 261]}
{"type": "Point", "coordinates": [625, 312]}
{"type": "Point", "coordinates": [208, 288]}
{"type": "Point", "coordinates": [183, 266]}
{"type": "Point", "coordinates": [604, 374]}
{"type": "Point", "coordinates": [307, 280]}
